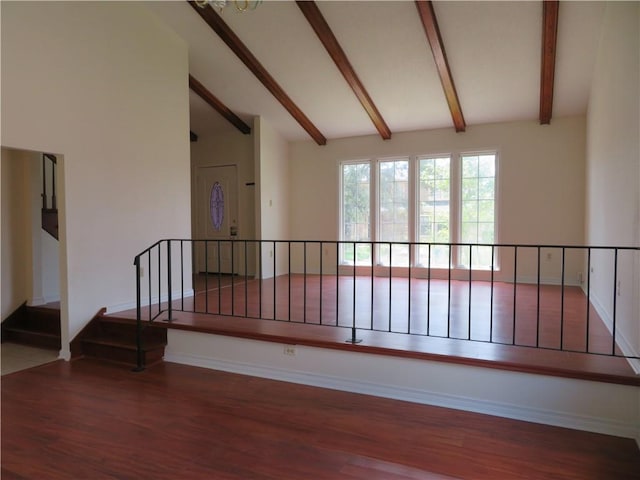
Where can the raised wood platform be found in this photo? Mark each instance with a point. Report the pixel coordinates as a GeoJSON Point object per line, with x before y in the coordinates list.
{"type": "Point", "coordinates": [299, 321]}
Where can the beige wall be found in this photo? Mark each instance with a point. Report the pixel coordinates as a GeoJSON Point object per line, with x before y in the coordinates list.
{"type": "Point", "coordinates": [16, 232]}
{"type": "Point", "coordinates": [273, 200]}
{"type": "Point", "coordinates": [540, 191]}
{"type": "Point", "coordinates": [613, 169]}
{"type": "Point", "coordinates": [115, 103]}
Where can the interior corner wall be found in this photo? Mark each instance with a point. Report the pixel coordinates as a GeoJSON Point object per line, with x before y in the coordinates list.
{"type": "Point", "coordinates": [106, 85]}
{"type": "Point", "coordinates": [272, 181]}
{"type": "Point", "coordinates": [16, 230]}
{"type": "Point", "coordinates": [540, 198]}
{"type": "Point", "coordinates": [613, 169]}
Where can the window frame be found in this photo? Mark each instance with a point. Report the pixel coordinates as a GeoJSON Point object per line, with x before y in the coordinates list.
{"type": "Point", "coordinates": [455, 206]}
{"type": "Point", "coordinates": [372, 216]}
{"type": "Point", "coordinates": [456, 257]}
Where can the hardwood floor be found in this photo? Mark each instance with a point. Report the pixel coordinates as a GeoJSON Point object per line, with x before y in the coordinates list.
{"type": "Point", "coordinates": [306, 314]}
{"type": "Point", "coordinates": [92, 420]}
{"type": "Point", "coordinates": [548, 317]}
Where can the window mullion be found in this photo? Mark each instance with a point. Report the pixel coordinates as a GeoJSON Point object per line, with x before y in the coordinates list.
{"type": "Point", "coordinates": [412, 207]}
{"type": "Point", "coordinates": [375, 210]}
{"type": "Point", "coordinates": [455, 201]}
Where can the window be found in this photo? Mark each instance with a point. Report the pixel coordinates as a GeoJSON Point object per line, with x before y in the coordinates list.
{"type": "Point", "coordinates": [478, 208]}
{"type": "Point", "coordinates": [393, 214]}
{"type": "Point", "coordinates": [434, 192]}
{"type": "Point", "coordinates": [356, 212]}
{"type": "Point", "coordinates": [425, 199]}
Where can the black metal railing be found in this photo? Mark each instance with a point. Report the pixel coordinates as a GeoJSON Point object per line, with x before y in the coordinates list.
{"type": "Point", "coordinates": [49, 200]}
{"type": "Point", "coordinates": [540, 296]}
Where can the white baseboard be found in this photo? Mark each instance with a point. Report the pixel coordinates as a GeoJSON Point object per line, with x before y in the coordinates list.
{"type": "Point", "coordinates": [510, 410]}
{"type": "Point", "coordinates": [621, 340]}
{"type": "Point", "coordinates": [43, 300]}
{"type": "Point", "coordinates": [548, 281]}
{"type": "Point", "coordinates": [34, 302]}
{"type": "Point", "coordinates": [154, 301]}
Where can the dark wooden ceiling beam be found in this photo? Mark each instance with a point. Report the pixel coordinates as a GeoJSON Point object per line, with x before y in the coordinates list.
{"type": "Point", "coordinates": [430, 24]}
{"type": "Point", "coordinates": [217, 105]}
{"type": "Point", "coordinates": [225, 33]}
{"type": "Point", "coordinates": [321, 27]}
{"type": "Point", "coordinates": [547, 71]}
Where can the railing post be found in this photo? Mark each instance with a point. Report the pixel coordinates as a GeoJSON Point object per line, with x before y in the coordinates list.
{"type": "Point", "coordinates": [353, 338]}
{"type": "Point", "coordinates": [515, 294]}
{"type": "Point", "coordinates": [139, 354]}
{"type": "Point", "coordinates": [588, 294]}
{"type": "Point", "coordinates": [233, 282]}
{"type": "Point", "coordinates": [615, 303]}
{"type": "Point", "coordinates": [44, 182]}
{"type": "Point", "coordinates": [470, 288]}
{"type": "Point", "coordinates": [562, 301]}
{"type": "Point", "coordinates": [54, 201]}
{"type": "Point", "coordinates": [275, 281]}
{"type": "Point", "coordinates": [321, 282]}
{"type": "Point", "coordinates": [169, 299]}
{"type": "Point", "coordinates": [538, 305]}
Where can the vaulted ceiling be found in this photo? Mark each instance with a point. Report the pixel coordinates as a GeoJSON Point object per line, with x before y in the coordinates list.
{"type": "Point", "coordinates": [322, 56]}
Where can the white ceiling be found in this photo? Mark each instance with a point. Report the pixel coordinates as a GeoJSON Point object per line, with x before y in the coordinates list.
{"type": "Point", "coordinates": [493, 48]}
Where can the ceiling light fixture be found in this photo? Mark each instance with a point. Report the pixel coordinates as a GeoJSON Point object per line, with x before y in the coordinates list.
{"type": "Point", "coordinates": [241, 5]}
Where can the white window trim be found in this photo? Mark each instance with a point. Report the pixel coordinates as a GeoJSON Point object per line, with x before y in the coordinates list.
{"type": "Point", "coordinates": [455, 212]}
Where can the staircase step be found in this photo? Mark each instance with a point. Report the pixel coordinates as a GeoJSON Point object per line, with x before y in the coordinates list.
{"type": "Point", "coordinates": [114, 339]}
{"type": "Point", "coordinates": [121, 350]}
{"type": "Point", "coordinates": [42, 319]}
{"type": "Point", "coordinates": [32, 338]}
{"type": "Point", "coordinates": [50, 221]}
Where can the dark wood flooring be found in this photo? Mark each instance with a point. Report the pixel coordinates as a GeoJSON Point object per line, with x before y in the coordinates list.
{"type": "Point", "coordinates": [305, 314]}
{"type": "Point", "coordinates": [90, 420]}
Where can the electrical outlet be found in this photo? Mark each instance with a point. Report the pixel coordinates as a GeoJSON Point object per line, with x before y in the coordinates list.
{"type": "Point", "coordinates": [580, 278]}
{"type": "Point", "coordinates": [619, 286]}
{"type": "Point", "coordinates": [290, 350]}
{"type": "Point", "coordinates": [141, 272]}
{"type": "Point", "coordinates": [548, 256]}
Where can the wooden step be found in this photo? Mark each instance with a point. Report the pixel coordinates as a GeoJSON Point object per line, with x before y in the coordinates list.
{"type": "Point", "coordinates": [121, 351]}
{"type": "Point", "coordinates": [50, 221]}
{"type": "Point", "coordinates": [42, 319]}
{"type": "Point", "coordinates": [114, 339]}
{"type": "Point", "coordinates": [31, 338]}
{"type": "Point", "coordinates": [35, 326]}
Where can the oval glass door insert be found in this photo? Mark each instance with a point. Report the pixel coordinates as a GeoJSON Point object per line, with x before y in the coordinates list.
{"type": "Point", "coordinates": [216, 206]}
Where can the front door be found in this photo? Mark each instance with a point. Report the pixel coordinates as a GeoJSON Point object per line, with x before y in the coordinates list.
{"type": "Point", "coordinates": [217, 213]}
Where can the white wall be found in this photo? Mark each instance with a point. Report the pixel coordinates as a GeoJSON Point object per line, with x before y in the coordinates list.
{"type": "Point", "coordinates": [115, 103]}
{"type": "Point", "coordinates": [540, 191]}
{"type": "Point", "coordinates": [613, 168]}
{"type": "Point", "coordinates": [579, 404]}
{"type": "Point", "coordinates": [274, 202]}
{"type": "Point", "coordinates": [16, 230]}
